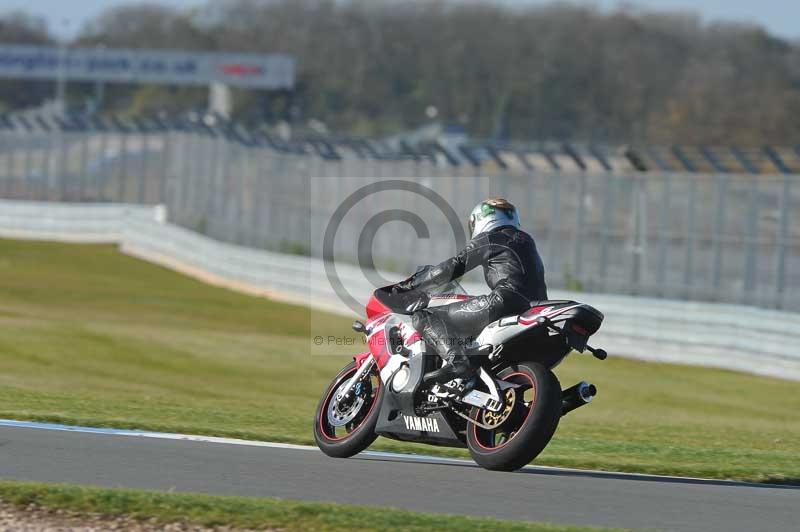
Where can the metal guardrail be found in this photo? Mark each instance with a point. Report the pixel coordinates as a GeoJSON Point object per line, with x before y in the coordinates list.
{"type": "Point", "coordinates": [734, 337]}
{"type": "Point", "coordinates": [65, 222]}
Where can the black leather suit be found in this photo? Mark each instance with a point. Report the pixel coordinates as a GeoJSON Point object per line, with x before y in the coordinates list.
{"type": "Point", "coordinates": [513, 270]}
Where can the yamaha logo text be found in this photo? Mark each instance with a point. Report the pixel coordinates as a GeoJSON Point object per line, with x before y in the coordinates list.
{"type": "Point", "coordinates": [421, 423]}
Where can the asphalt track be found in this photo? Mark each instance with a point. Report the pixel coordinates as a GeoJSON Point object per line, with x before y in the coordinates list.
{"type": "Point", "coordinates": [132, 459]}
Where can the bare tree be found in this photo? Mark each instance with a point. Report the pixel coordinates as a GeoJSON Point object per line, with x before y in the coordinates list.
{"type": "Point", "coordinates": [554, 71]}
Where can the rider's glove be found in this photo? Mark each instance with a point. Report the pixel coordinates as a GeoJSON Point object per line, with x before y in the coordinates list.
{"type": "Point", "coordinates": [403, 286]}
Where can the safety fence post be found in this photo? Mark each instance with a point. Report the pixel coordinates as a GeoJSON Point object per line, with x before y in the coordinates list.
{"type": "Point", "coordinates": [783, 240]}
{"type": "Point", "coordinates": [27, 175]}
{"type": "Point", "coordinates": [719, 233]}
{"type": "Point", "coordinates": [84, 166]}
{"type": "Point", "coordinates": [9, 153]}
{"type": "Point", "coordinates": [751, 241]}
{"type": "Point", "coordinates": [688, 269]}
{"type": "Point", "coordinates": [144, 155]}
{"type": "Point", "coordinates": [579, 223]}
{"type": "Point", "coordinates": [639, 236]}
{"type": "Point", "coordinates": [123, 167]}
{"type": "Point", "coordinates": [607, 227]}
{"type": "Point", "coordinates": [101, 178]}
{"type": "Point", "coordinates": [664, 240]}
{"type": "Point", "coordinates": [553, 243]}
{"type": "Point", "coordinates": [166, 150]}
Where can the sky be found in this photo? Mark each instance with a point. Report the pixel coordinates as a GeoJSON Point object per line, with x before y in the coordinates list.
{"type": "Point", "coordinates": [781, 17]}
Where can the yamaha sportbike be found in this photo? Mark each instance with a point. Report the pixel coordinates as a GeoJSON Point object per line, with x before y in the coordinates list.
{"type": "Point", "coordinates": [505, 414]}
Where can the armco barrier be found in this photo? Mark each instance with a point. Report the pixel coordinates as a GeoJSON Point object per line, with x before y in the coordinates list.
{"type": "Point", "coordinates": [71, 222]}
{"type": "Point", "coordinates": [726, 336]}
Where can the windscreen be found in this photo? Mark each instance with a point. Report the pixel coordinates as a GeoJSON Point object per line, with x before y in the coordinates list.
{"type": "Point", "coordinates": [453, 287]}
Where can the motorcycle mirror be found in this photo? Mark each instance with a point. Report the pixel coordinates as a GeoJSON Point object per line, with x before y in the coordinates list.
{"type": "Point", "coordinates": [359, 327]}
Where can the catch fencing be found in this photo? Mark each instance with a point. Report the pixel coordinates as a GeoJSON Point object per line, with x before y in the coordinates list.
{"type": "Point", "coordinates": [716, 237]}
{"type": "Point", "coordinates": [727, 336]}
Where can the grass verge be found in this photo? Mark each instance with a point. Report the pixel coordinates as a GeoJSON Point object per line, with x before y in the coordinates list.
{"type": "Point", "coordinates": [249, 513]}
{"type": "Point", "coordinates": [92, 337]}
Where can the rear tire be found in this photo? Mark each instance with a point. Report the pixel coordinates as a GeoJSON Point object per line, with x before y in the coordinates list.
{"type": "Point", "coordinates": [528, 429]}
{"type": "Point", "coordinates": [360, 432]}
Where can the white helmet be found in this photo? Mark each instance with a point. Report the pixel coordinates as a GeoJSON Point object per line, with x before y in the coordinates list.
{"type": "Point", "coordinates": [491, 214]}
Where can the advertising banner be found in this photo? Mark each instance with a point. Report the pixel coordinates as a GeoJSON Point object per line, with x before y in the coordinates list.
{"type": "Point", "coordinates": [257, 71]}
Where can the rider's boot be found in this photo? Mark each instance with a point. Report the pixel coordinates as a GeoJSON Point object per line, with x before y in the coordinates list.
{"type": "Point", "coordinates": [456, 366]}
{"type": "Point", "coordinates": [434, 330]}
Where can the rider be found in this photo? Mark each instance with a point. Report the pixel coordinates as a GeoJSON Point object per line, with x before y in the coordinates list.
{"type": "Point", "coordinates": [512, 268]}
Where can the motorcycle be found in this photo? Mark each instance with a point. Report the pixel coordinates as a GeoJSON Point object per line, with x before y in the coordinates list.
{"type": "Point", "coordinates": [505, 414]}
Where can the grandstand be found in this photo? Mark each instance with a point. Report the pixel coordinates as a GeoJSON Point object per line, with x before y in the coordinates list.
{"type": "Point", "coordinates": [487, 156]}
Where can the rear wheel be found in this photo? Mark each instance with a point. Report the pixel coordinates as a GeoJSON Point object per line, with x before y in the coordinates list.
{"type": "Point", "coordinates": [523, 428]}
{"type": "Point", "coordinates": [345, 428]}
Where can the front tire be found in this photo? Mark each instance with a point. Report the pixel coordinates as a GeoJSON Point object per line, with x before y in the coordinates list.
{"type": "Point", "coordinates": [530, 420]}
{"type": "Point", "coordinates": [342, 431]}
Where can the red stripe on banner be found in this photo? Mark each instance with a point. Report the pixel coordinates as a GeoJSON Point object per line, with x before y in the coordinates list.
{"type": "Point", "coordinates": [241, 70]}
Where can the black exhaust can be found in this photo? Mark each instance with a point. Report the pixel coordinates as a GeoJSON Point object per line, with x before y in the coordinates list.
{"type": "Point", "coordinates": [577, 396]}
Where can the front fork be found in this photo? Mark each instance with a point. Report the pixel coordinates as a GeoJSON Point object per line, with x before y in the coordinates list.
{"type": "Point", "coordinates": [364, 369]}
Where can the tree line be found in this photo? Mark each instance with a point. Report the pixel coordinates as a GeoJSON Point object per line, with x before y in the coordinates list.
{"type": "Point", "coordinates": [558, 71]}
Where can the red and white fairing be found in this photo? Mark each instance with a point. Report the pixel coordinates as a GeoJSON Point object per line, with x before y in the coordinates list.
{"type": "Point", "coordinates": [504, 329]}
{"type": "Point", "coordinates": [381, 321]}
{"type": "Point", "coordinates": [380, 347]}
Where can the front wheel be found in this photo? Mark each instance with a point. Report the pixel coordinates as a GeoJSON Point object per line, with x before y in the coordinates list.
{"type": "Point", "coordinates": [523, 428]}
{"type": "Point", "coordinates": [345, 428]}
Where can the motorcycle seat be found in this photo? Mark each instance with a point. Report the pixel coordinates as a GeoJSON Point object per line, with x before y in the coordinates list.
{"type": "Point", "coordinates": [550, 302]}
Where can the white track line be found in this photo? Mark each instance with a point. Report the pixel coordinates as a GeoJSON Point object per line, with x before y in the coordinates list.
{"type": "Point", "coordinates": [155, 435]}
{"type": "Point", "coordinates": [371, 454]}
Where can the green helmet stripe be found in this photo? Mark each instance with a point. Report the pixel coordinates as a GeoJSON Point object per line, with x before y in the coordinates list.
{"type": "Point", "coordinates": [486, 210]}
